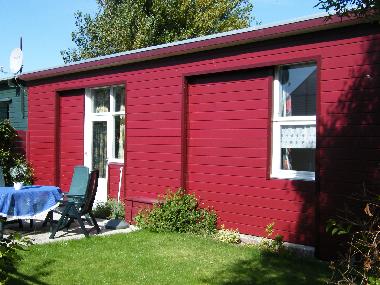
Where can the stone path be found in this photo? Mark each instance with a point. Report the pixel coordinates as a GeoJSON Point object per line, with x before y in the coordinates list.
{"type": "Point", "coordinates": [39, 234]}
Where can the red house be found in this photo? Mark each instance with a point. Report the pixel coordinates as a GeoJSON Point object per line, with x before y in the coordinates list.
{"type": "Point", "coordinates": [264, 124]}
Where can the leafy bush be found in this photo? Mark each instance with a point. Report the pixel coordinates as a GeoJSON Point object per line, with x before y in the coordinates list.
{"type": "Point", "coordinates": [102, 210]}
{"type": "Point", "coordinates": [359, 224]}
{"type": "Point", "coordinates": [112, 209]}
{"type": "Point", "coordinates": [10, 158]}
{"type": "Point", "coordinates": [179, 212]}
{"type": "Point", "coordinates": [9, 256]}
{"type": "Point", "coordinates": [117, 209]}
{"type": "Point", "coordinates": [274, 245]}
{"type": "Point", "coordinates": [227, 236]}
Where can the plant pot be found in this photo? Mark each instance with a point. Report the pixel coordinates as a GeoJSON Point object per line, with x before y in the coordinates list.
{"type": "Point", "coordinates": [18, 185]}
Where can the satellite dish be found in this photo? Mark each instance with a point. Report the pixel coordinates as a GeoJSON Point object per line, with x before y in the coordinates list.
{"type": "Point", "coordinates": [15, 60]}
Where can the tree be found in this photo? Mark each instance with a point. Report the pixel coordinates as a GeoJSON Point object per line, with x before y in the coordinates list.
{"type": "Point", "coordinates": [361, 8]}
{"type": "Point", "coordinates": [10, 157]}
{"type": "Point", "coordinates": [121, 25]}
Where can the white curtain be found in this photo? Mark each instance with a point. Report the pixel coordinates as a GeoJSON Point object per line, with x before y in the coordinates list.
{"type": "Point", "coordinates": [296, 137]}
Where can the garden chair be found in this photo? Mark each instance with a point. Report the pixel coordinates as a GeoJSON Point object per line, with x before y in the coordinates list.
{"type": "Point", "coordinates": [78, 187]}
{"type": "Point", "coordinates": [77, 207]}
{"type": "Point", "coordinates": [2, 181]}
{"type": "Point", "coordinates": [79, 182]}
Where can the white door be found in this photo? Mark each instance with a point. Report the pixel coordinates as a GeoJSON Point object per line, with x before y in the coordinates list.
{"type": "Point", "coordinates": [104, 132]}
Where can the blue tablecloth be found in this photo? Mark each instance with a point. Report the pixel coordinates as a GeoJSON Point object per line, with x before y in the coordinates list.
{"type": "Point", "coordinates": [28, 202]}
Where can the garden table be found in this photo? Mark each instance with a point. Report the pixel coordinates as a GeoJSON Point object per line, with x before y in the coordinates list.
{"type": "Point", "coordinates": [27, 202]}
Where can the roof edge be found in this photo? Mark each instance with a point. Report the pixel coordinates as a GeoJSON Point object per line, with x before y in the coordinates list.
{"type": "Point", "coordinates": [235, 37]}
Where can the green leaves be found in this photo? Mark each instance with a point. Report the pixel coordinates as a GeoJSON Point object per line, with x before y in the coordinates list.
{"type": "Point", "coordinates": [336, 228]}
{"type": "Point", "coordinates": [9, 157]}
{"type": "Point", "coordinates": [8, 135]}
{"type": "Point", "coordinates": [122, 25]}
{"type": "Point", "coordinates": [179, 212]}
{"type": "Point", "coordinates": [359, 222]}
{"type": "Point", "coordinates": [358, 8]}
{"type": "Point", "coordinates": [112, 209]}
{"type": "Point", "coordinates": [227, 235]}
{"type": "Point", "coordinates": [275, 245]}
{"type": "Point", "coordinates": [9, 255]}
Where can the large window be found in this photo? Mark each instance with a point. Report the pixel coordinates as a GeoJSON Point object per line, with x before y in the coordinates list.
{"type": "Point", "coordinates": [294, 122]}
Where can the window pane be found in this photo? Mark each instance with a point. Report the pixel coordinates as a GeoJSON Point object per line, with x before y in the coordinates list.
{"type": "Point", "coordinates": [119, 99]}
{"type": "Point", "coordinates": [298, 90]}
{"type": "Point", "coordinates": [101, 100]}
{"type": "Point", "coordinates": [298, 136]}
{"type": "Point", "coordinates": [99, 147]}
{"type": "Point", "coordinates": [4, 111]}
{"type": "Point", "coordinates": [119, 136]}
{"type": "Point", "coordinates": [300, 159]}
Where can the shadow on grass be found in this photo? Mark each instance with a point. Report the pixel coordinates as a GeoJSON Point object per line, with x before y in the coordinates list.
{"type": "Point", "coordinates": [40, 270]}
{"type": "Point", "coordinates": [269, 268]}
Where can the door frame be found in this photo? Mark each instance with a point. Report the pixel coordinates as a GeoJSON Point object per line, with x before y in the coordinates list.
{"type": "Point", "coordinates": [89, 118]}
{"type": "Point", "coordinates": [109, 117]}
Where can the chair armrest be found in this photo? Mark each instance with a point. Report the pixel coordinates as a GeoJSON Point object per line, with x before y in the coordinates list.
{"type": "Point", "coordinates": [73, 199]}
{"type": "Point", "coordinates": [71, 195]}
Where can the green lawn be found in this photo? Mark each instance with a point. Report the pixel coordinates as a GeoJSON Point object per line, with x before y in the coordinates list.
{"type": "Point", "coordinates": [148, 258]}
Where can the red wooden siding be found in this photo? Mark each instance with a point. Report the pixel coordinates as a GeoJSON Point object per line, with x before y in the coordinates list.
{"type": "Point", "coordinates": [349, 144]}
{"type": "Point", "coordinates": [113, 180]}
{"type": "Point", "coordinates": [228, 157]}
{"type": "Point", "coordinates": [135, 205]}
{"type": "Point", "coordinates": [42, 120]}
{"type": "Point", "coordinates": [347, 139]}
{"type": "Point", "coordinates": [70, 134]}
{"type": "Point", "coordinates": [153, 136]}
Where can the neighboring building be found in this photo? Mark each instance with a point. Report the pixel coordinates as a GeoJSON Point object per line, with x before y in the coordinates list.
{"type": "Point", "coordinates": [263, 124]}
{"type": "Point", "coordinates": [14, 107]}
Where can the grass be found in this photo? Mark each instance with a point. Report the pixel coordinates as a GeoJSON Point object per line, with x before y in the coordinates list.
{"type": "Point", "coordinates": [149, 258]}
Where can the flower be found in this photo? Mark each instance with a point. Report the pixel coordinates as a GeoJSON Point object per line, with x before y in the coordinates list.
{"type": "Point", "coordinates": [19, 172]}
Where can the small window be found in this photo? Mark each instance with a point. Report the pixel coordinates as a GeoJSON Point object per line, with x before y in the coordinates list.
{"type": "Point", "coordinates": [119, 137]}
{"type": "Point", "coordinates": [101, 100]}
{"type": "Point", "coordinates": [4, 111]}
{"type": "Point", "coordinates": [294, 122]}
{"type": "Point", "coordinates": [119, 93]}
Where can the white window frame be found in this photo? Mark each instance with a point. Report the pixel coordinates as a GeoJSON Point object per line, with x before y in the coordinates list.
{"type": "Point", "coordinates": [277, 122]}
{"type": "Point", "coordinates": [109, 117]}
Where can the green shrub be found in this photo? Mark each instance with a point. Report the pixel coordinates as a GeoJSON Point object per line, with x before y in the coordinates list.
{"type": "Point", "coordinates": [178, 212]}
{"type": "Point", "coordinates": [9, 255]}
{"type": "Point", "coordinates": [10, 158]}
{"type": "Point", "coordinates": [273, 245]}
{"type": "Point", "coordinates": [227, 236]}
{"type": "Point", "coordinates": [102, 210]}
{"type": "Point", "coordinates": [359, 224]}
{"type": "Point", "coordinates": [112, 209]}
{"type": "Point", "coordinates": [117, 209]}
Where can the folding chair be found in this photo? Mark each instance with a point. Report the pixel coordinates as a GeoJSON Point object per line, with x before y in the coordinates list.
{"type": "Point", "coordinates": [78, 187]}
{"type": "Point", "coordinates": [76, 207]}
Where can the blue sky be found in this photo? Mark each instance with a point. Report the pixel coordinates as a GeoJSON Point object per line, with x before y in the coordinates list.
{"type": "Point", "coordinates": [46, 26]}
